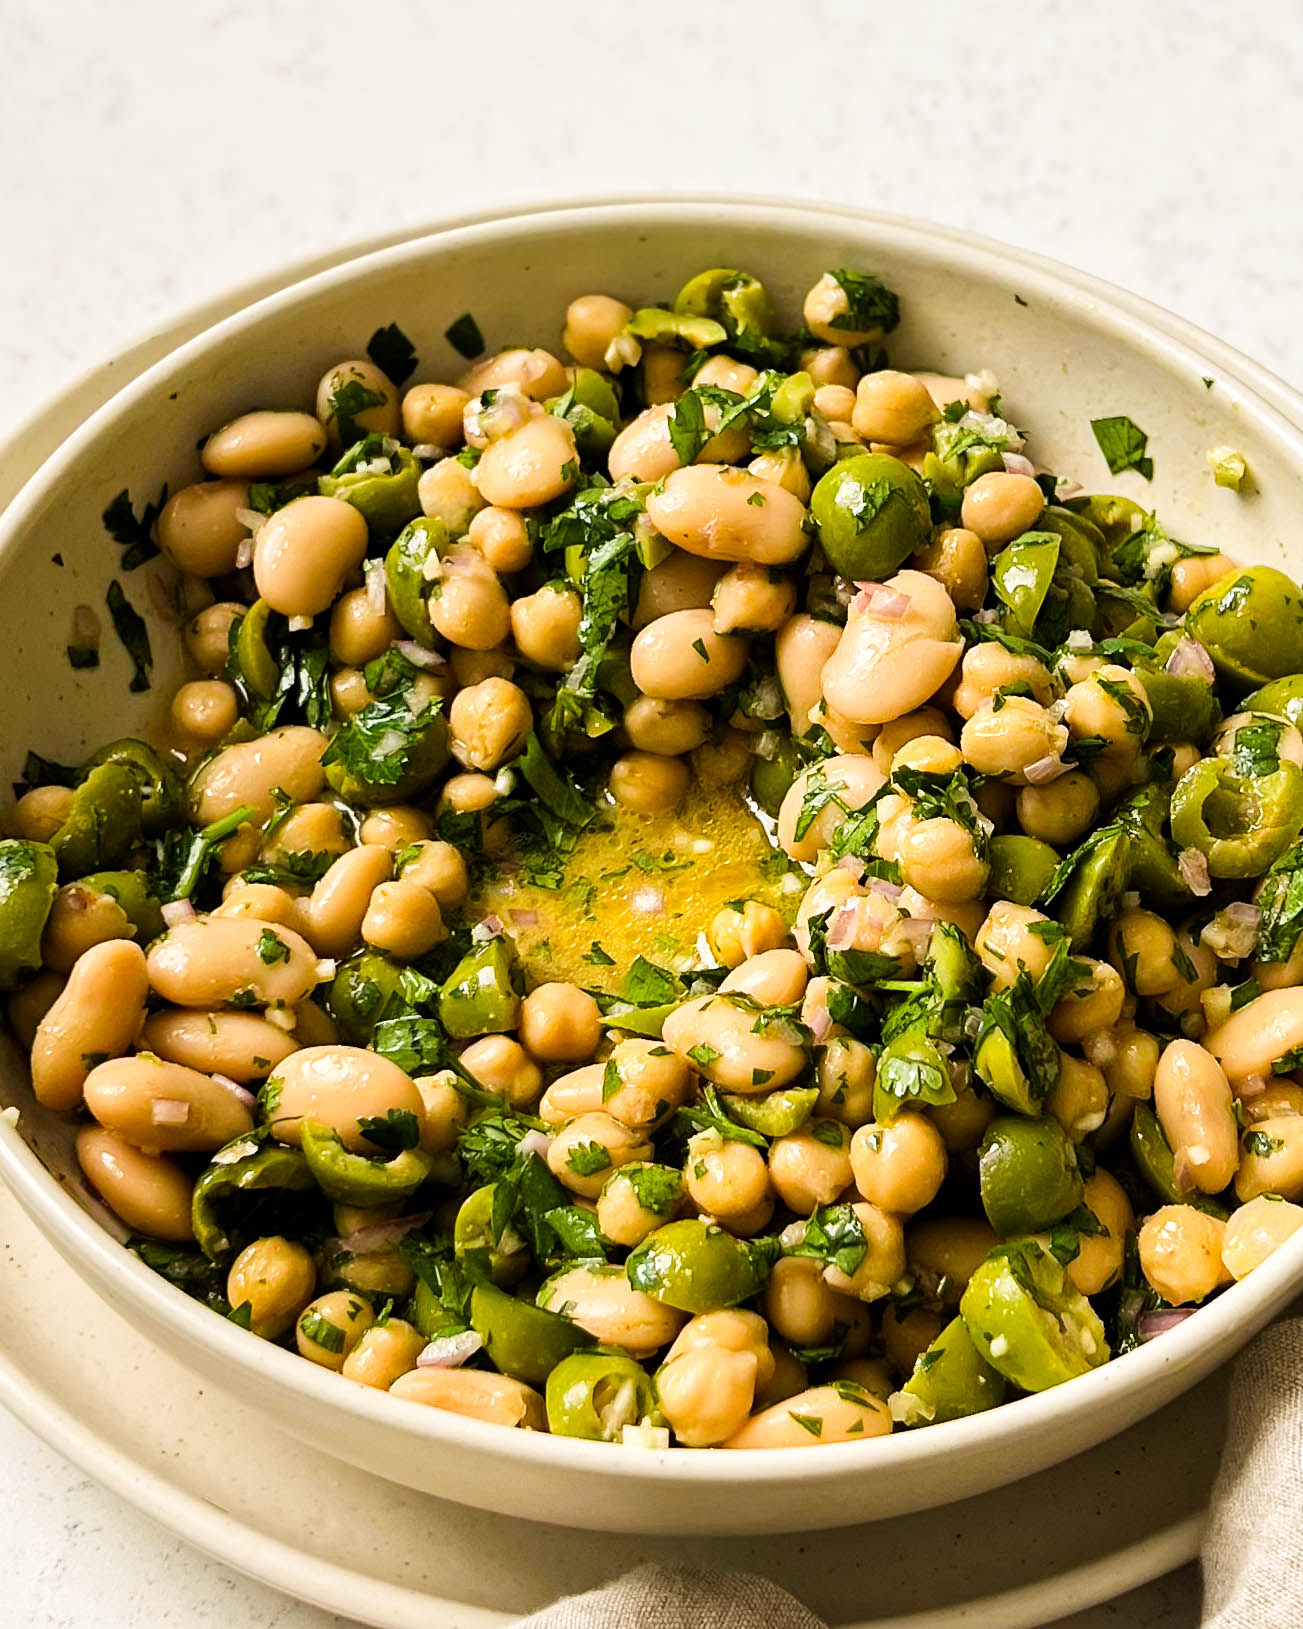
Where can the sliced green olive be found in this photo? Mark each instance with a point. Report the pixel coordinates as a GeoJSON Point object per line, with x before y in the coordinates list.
{"type": "Point", "coordinates": [1028, 1322]}
{"type": "Point", "coordinates": [482, 993]}
{"type": "Point", "coordinates": [998, 1067]}
{"type": "Point", "coordinates": [1116, 519]}
{"type": "Point", "coordinates": [1022, 575]}
{"type": "Point", "coordinates": [1021, 868]}
{"type": "Point", "coordinates": [521, 1339]}
{"type": "Point", "coordinates": [162, 796]}
{"type": "Point", "coordinates": [738, 300]}
{"type": "Point", "coordinates": [1082, 541]}
{"type": "Point", "coordinates": [409, 588]}
{"type": "Point", "coordinates": [1152, 1153]}
{"type": "Point", "coordinates": [1281, 697]}
{"type": "Point", "coordinates": [1027, 1171]}
{"type": "Point", "coordinates": [771, 777]}
{"type": "Point", "coordinates": [872, 513]}
{"type": "Point", "coordinates": [1240, 824]}
{"type": "Point", "coordinates": [697, 1267]}
{"type": "Point", "coordinates": [103, 825]}
{"type": "Point", "coordinates": [361, 993]}
{"type": "Point", "coordinates": [911, 1071]}
{"type": "Point", "coordinates": [952, 1379]}
{"type": "Point", "coordinates": [654, 326]}
{"type": "Point", "coordinates": [386, 500]}
{"type": "Point", "coordinates": [253, 658]}
{"type": "Point", "coordinates": [353, 1179]}
{"type": "Point", "coordinates": [215, 1206]}
{"type": "Point", "coordinates": [776, 1114]}
{"type": "Point", "coordinates": [28, 884]}
{"type": "Point", "coordinates": [1251, 624]}
{"type": "Point", "coordinates": [501, 1254]}
{"type": "Point", "coordinates": [592, 409]}
{"type": "Point", "coordinates": [594, 1395]}
{"type": "Point", "coordinates": [1093, 888]}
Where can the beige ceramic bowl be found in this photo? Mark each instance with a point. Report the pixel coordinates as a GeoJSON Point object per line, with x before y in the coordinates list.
{"type": "Point", "coordinates": [1065, 349]}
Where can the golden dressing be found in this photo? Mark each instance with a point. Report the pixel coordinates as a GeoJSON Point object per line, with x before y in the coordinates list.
{"type": "Point", "coordinates": [636, 885]}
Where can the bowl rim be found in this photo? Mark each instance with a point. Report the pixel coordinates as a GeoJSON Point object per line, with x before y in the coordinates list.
{"type": "Point", "coordinates": [1169, 339]}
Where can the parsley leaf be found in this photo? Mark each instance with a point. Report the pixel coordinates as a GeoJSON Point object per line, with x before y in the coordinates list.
{"type": "Point", "coordinates": [464, 336]}
{"type": "Point", "coordinates": [396, 1131]}
{"type": "Point", "coordinates": [393, 353]}
{"type": "Point", "coordinates": [376, 744]}
{"type": "Point", "coordinates": [130, 628]}
{"type": "Point", "coordinates": [834, 1235]}
{"type": "Point", "coordinates": [870, 303]}
{"type": "Point", "coordinates": [1123, 444]}
{"type": "Point", "coordinates": [134, 533]}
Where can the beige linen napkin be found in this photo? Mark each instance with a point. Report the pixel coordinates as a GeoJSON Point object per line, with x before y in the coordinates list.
{"type": "Point", "coordinates": [661, 1596]}
{"type": "Point", "coordinates": [1253, 1549]}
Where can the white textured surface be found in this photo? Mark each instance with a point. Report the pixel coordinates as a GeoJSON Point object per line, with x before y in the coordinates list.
{"type": "Point", "coordinates": [160, 152]}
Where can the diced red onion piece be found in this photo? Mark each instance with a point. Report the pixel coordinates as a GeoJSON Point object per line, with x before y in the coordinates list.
{"type": "Point", "coordinates": [973, 1022]}
{"type": "Point", "coordinates": [254, 519]}
{"type": "Point", "coordinates": [1045, 770]}
{"type": "Point", "coordinates": [381, 1234]}
{"type": "Point", "coordinates": [888, 890]}
{"type": "Point", "coordinates": [648, 900]}
{"type": "Point", "coordinates": [418, 656]}
{"type": "Point", "coordinates": [1251, 1086]}
{"type": "Point", "coordinates": [244, 553]}
{"type": "Point", "coordinates": [1182, 1171]}
{"type": "Point", "coordinates": [819, 1020]}
{"type": "Point", "coordinates": [488, 927]}
{"type": "Point", "coordinates": [880, 601]}
{"type": "Point", "coordinates": [1194, 871]}
{"type": "Point", "coordinates": [525, 919]}
{"type": "Point", "coordinates": [986, 617]}
{"type": "Point", "coordinates": [169, 1111]}
{"type": "Point", "coordinates": [918, 931]}
{"type": "Point", "coordinates": [1241, 910]}
{"type": "Point", "coordinates": [535, 1142]}
{"type": "Point", "coordinates": [450, 1351]}
{"type": "Point", "coordinates": [178, 910]}
{"type": "Point", "coordinates": [1016, 464]}
{"type": "Point", "coordinates": [1161, 1320]}
{"type": "Point", "coordinates": [236, 1090]}
{"type": "Point", "coordinates": [852, 863]}
{"type": "Point", "coordinates": [374, 572]}
{"type": "Point", "coordinates": [841, 930]}
{"type": "Point", "coordinates": [1189, 657]}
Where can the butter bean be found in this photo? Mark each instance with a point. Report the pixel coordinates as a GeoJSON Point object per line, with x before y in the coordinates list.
{"type": "Point", "coordinates": [1272, 1161]}
{"type": "Point", "coordinates": [288, 759]}
{"type": "Point", "coordinates": [724, 513]}
{"type": "Point", "coordinates": [530, 465]}
{"type": "Point", "coordinates": [1264, 1029]}
{"type": "Point", "coordinates": [744, 1059]}
{"type": "Point", "coordinates": [96, 1016]}
{"type": "Point", "coordinates": [304, 553]}
{"type": "Point", "coordinates": [338, 1086]}
{"type": "Point", "coordinates": [1192, 1099]}
{"type": "Point", "coordinates": [149, 1192]}
{"type": "Point", "coordinates": [1256, 1231]}
{"type": "Point", "coordinates": [164, 1107]}
{"type": "Point", "coordinates": [603, 1302]}
{"type": "Point", "coordinates": [885, 666]}
{"type": "Point", "coordinates": [680, 657]}
{"type": "Point", "coordinates": [845, 1413]}
{"type": "Point", "coordinates": [850, 780]}
{"type": "Point", "coordinates": [476, 1393]}
{"type": "Point", "coordinates": [264, 444]}
{"type": "Point", "coordinates": [241, 1045]}
{"type": "Point", "coordinates": [217, 960]}
{"type": "Point", "coordinates": [339, 901]}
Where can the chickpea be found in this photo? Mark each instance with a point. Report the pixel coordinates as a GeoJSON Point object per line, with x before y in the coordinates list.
{"type": "Point", "coordinates": [312, 828]}
{"type": "Point", "coordinates": [789, 1378]}
{"type": "Point", "coordinates": [785, 466]}
{"type": "Point", "coordinates": [846, 1070]}
{"type": "Point", "coordinates": [642, 1081]}
{"type": "Point", "coordinates": [907, 1335]}
{"type": "Point", "coordinates": [593, 322]}
{"type": "Point", "coordinates": [545, 627]}
{"type": "Point", "coordinates": [264, 444]}
{"type": "Point", "coordinates": [304, 552]}
{"type": "Point", "coordinates": [438, 867]}
{"type": "Point", "coordinates": [379, 417]}
{"type": "Point", "coordinates": [1009, 740]}
{"type": "Point", "coordinates": [750, 599]}
{"type": "Point", "coordinates": [447, 492]}
{"type": "Point", "coordinates": [205, 710]}
{"type": "Point", "coordinates": [1079, 1100]}
{"type": "Point", "coordinates": [528, 466]}
{"type": "Point", "coordinates": [899, 1165]}
{"type": "Point", "coordinates": [890, 407]}
{"type": "Point", "coordinates": [1181, 1253]}
{"type": "Point", "coordinates": [662, 374]}
{"type": "Point", "coordinates": [1256, 1231]}
{"type": "Point", "coordinates": [810, 1167]}
{"type": "Point", "coordinates": [774, 978]}
{"type": "Point", "coordinates": [725, 1179]}
{"type": "Point", "coordinates": [330, 1327]}
{"type": "Point", "coordinates": [199, 530]}
{"type": "Point", "coordinates": [501, 537]}
{"type": "Point", "coordinates": [649, 783]}
{"type": "Point", "coordinates": [726, 373]}
{"type": "Point", "coordinates": [1093, 1004]}
{"type": "Point", "coordinates": [851, 779]}
{"type": "Point", "coordinates": [488, 723]}
{"type": "Point", "coordinates": [800, 1305]}
{"type": "Point", "coordinates": [432, 415]}
{"type": "Point", "coordinates": [274, 1278]}
{"type": "Point", "coordinates": [998, 506]}
{"type": "Point", "coordinates": [538, 373]}
{"type": "Point", "coordinates": [724, 760]}
{"type": "Point", "coordinates": [385, 1352]}
{"type": "Point", "coordinates": [706, 1394]}
{"type": "Point", "coordinates": [836, 403]}
{"type": "Point", "coordinates": [1098, 1262]}
{"type": "Point", "coordinates": [830, 365]}
{"type": "Point", "coordinates": [988, 667]}
{"type": "Point", "coordinates": [149, 1192]}
{"type": "Point", "coordinates": [1184, 1001]}
{"type": "Point", "coordinates": [403, 919]}
{"type": "Point", "coordinates": [1061, 811]}
{"type": "Point", "coordinates": [1130, 1066]}
{"type": "Point", "coordinates": [38, 814]}
{"type": "Point", "coordinates": [30, 1002]}
{"type": "Point", "coordinates": [348, 692]}
{"type": "Point", "coordinates": [468, 605]}
{"type": "Point", "coordinates": [1110, 706]}
{"type": "Point", "coordinates": [883, 1265]}
{"type": "Point", "coordinates": [1142, 947]}
{"type": "Point", "coordinates": [560, 1023]}
{"type": "Point", "coordinates": [395, 828]}
{"type": "Point", "coordinates": [950, 1248]}
{"type": "Point", "coordinates": [476, 794]}
{"type": "Point", "coordinates": [738, 933]}
{"type": "Point", "coordinates": [444, 1111]}
{"type": "Point", "coordinates": [1007, 944]}
{"type": "Point", "coordinates": [208, 635]}
{"type": "Point", "coordinates": [637, 1199]}
{"type": "Point", "coordinates": [1272, 1161]}
{"type": "Point", "coordinates": [80, 917]}
{"type": "Point", "coordinates": [826, 308]}
{"type": "Point", "coordinates": [667, 728]}
{"type": "Point", "coordinates": [928, 725]}
{"type": "Point", "coordinates": [359, 633]}
{"type": "Point", "coordinates": [1192, 575]}
{"type": "Point", "coordinates": [941, 856]}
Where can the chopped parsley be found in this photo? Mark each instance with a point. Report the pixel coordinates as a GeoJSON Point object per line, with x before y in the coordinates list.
{"type": "Point", "coordinates": [134, 533]}
{"type": "Point", "coordinates": [870, 304]}
{"type": "Point", "coordinates": [272, 948]}
{"type": "Point", "coordinates": [130, 628]}
{"type": "Point", "coordinates": [393, 353]}
{"type": "Point", "coordinates": [1123, 444]}
{"type": "Point", "coordinates": [465, 337]}
{"type": "Point", "coordinates": [398, 1130]}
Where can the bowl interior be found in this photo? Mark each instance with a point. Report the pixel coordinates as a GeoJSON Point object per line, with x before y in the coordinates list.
{"type": "Point", "coordinates": [1062, 354]}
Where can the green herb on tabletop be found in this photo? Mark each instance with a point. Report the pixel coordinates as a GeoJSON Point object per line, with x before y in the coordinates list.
{"type": "Point", "coordinates": [130, 628]}
{"type": "Point", "coordinates": [393, 353]}
{"type": "Point", "coordinates": [1123, 444]}
{"type": "Point", "coordinates": [133, 533]}
{"type": "Point", "coordinates": [464, 336]}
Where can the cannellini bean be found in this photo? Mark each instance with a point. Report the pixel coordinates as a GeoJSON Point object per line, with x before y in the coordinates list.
{"type": "Point", "coordinates": [886, 666]}
{"type": "Point", "coordinates": [1257, 1230]}
{"type": "Point", "coordinates": [802, 647]}
{"type": "Point", "coordinates": [822, 1414]}
{"type": "Point", "coordinates": [726, 513]}
{"type": "Point", "coordinates": [680, 657]}
{"type": "Point", "coordinates": [337, 1087]}
{"type": "Point", "coordinates": [215, 961]}
{"type": "Point", "coordinates": [304, 553]}
{"type": "Point", "coordinates": [287, 759]}
{"type": "Point", "coordinates": [241, 1045]}
{"type": "Point", "coordinates": [150, 1192]}
{"type": "Point", "coordinates": [1193, 1101]}
{"type": "Point", "coordinates": [333, 916]}
{"type": "Point", "coordinates": [476, 1393]}
{"type": "Point", "coordinates": [605, 1304]}
{"type": "Point", "coordinates": [1264, 1029]}
{"type": "Point", "coordinates": [264, 443]}
{"type": "Point", "coordinates": [819, 799]}
{"type": "Point", "coordinates": [97, 1015]}
{"type": "Point", "coordinates": [165, 1107]}
{"type": "Point", "coordinates": [730, 1042]}
{"type": "Point", "coordinates": [572, 1094]}
{"type": "Point", "coordinates": [774, 978]}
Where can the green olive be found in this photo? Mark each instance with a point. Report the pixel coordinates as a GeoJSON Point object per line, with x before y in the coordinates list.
{"type": "Point", "coordinates": [521, 1339]}
{"type": "Point", "coordinates": [131, 890]}
{"type": "Point", "coordinates": [736, 299]}
{"type": "Point", "coordinates": [481, 996]}
{"type": "Point", "coordinates": [426, 756]}
{"type": "Point", "coordinates": [872, 512]}
{"type": "Point", "coordinates": [592, 410]}
{"type": "Point", "coordinates": [999, 1068]}
{"type": "Point", "coordinates": [1251, 624]}
{"type": "Point", "coordinates": [28, 883]}
{"type": "Point", "coordinates": [776, 1114]}
{"type": "Point", "coordinates": [363, 990]}
{"type": "Point", "coordinates": [386, 501]}
{"type": "Point", "coordinates": [1184, 705]}
{"type": "Point", "coordinates": [1021, 868]}
{"type": "Point", "coordinates": [1028, 1175]}
{"type": "Point", "coordinates": [911, 1070]}
{"type": "Point", "coordinates": [1022, 575]}
{"type": "Point", "coordinates": [1028, 1322]}
{"type": "Point", "coordinates": [1082, 541]}
{"type": "Point", "coordinates": [771, 777]}
{"type": "Point", "coordinates": [1115, 519]}
{"type": "Point", "coordinates": [1152, 1154]}
{"type": "Point", "coordinates": [103, 825]}
{"type": "Point", "coordinates": [952, 1379]}
{"type": "Point", "coordinates": [698, 1267]}
{"type": "Point", "coordinates": [353, 1179]}
{"type": "Point", "coordinates": [594, 1395]}
{"type": "Point", "coordinates": [162, 796]}
{"type": "Point", "coordinates": [215, 1206]}
{"type": "Point", "coordinates": [1240, 824]}
{"type": "Point", "coordinates": [502, 1255]}
{"type": "Point", "coordinates": [252, 655]}
{"type": "Point", "coordinates": [1092, 890]}
{"type": "Point", "coordinates": [1282, 697]}
{"type": "Point", "coordinates": [409, 589]}
{"type": "Point", "coordinates": [654, 326]}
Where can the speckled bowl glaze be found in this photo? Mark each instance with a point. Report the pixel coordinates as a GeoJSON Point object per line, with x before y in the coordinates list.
{"type": "Point", "coordinates": [1065, 349]}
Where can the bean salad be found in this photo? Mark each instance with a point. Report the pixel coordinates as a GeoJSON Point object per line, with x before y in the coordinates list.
{"type": "Point", "coordinates": [696, 894]}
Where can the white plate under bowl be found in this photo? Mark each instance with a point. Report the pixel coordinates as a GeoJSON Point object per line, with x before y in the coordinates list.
{"type": "Point", "coordinates": [1066, 349]}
